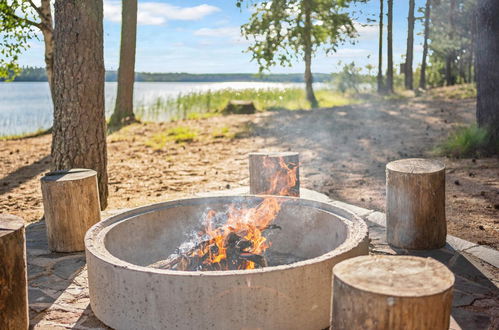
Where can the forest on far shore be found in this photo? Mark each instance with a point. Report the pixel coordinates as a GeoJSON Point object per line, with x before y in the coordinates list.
{"type": "Point", "coordinates": [39, 74]}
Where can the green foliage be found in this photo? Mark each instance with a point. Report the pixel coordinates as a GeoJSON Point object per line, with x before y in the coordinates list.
{"type": "Point", "coordinates": [457, 92]}
{"type": "Point", "coordinates": [349, 78]}
{"type": "Point", "coordinates": [451, 41]}
{"type": "Point", "coordinates": [467, 142]}
{"type": "Point", "coordinates": [280, 35]}
{"type": "Point", "coordinates": [178, 134]}
{"type": "Point", "coordinates": [17, 27]}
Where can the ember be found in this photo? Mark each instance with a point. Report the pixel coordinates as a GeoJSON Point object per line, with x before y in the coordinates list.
{"type": "Point", "coordinates": [234, 239]}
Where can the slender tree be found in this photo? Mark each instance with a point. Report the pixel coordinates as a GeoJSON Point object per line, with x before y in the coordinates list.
{"type": "Point", "coordinates": [123, 110]}
{"type": "Point", "coordinates": [79, 131]}
{"type": "Point", "coordinates": [389, 70]}
{"type": "Point", "coordinates": [427, 13]}
{"type": "Point", "coordinates": [449, 75]}
{"type": "Point", "coordinates": [487, 67]}
{"type": "Point", "coordinates": [380, 49]}
{"type": "Point", "coordinates": [408, 73]}
{"type": "Point", "coordinates": [283, 31]}
{"type": "Point", "coordinates": [19, 20]}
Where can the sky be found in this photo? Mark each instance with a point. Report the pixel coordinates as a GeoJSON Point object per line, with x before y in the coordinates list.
{"type": "Point", "coordinates": [204, 37]}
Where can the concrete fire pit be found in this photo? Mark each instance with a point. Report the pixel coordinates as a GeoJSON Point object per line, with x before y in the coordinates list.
{"type": "Point", "coordinates": [126, 294]}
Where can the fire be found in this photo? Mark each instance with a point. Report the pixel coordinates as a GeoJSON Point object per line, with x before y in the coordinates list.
{"type": "Point", "coordinates": [284, 177]}
{"type": "Point", "coordinates": [235, 239]}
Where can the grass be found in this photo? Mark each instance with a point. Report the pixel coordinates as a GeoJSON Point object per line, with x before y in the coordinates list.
{"type": "Point", "coordinates": [467, 141]}
{"type": "Point", "coordinates": [198, 105]}
{"type": "Point", "coordinates": [457, 92]}
{"type": "Point", "coordinates": [178, 134]}
{"type": "Point", "coordinates": [37, 133]}
{"type": "Point", "coordinates": [223, 132]}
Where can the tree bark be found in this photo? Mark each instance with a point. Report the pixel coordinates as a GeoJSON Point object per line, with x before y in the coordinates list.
{"type": "Point", "coordinates": [487, 67]}
{"type": "Point", "coordinates": [71, 207]}
{"type": "Point", "coordinates": [427, 13]}
{"type": "Point", "coordinates": [415, 204]}
{"type": "Point", "coordinates": [410, 47]}
{"type": "Point", "coordinates": [13, 275]}
{"type": "Point", "coordinates": [308, 57]}
{"type": "Point", "coordinates": [449, 59]}
{"type": "Point", "coordinates": [79, 131]}
{"type": "Point", "coordinates": [123, 110]}
{"type": "Point", "coordinates": [392, 292]}
{"type": "Point", "coordinates": [48, 31]}
{"type": "Point", "coordinates": [389, 72]}
{"type": "Point", "coordinates": [380, 49]}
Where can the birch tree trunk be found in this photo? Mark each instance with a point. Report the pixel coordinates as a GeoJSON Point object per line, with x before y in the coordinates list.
{"type": "Point", "coordinates": [123, 110]}
{"type": "Point", "coordinates": [79, 131]}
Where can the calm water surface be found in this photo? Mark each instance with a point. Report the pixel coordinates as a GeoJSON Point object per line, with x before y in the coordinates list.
{"type": "Point", "coordinates": [26, 106]}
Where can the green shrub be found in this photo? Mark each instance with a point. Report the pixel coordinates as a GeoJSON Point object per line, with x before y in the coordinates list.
{"type": "Point", "coordinates": [466, 142]}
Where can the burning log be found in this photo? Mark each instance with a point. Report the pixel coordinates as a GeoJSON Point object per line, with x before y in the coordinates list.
{"type": "Point", "coordinates": [391, 292]}
{"type": "Point", "coordinates": [236, 247]}
{"type": "Point", "coordinates": [415, 204]}
{"type": "Point", "coordinates": [275, 173]}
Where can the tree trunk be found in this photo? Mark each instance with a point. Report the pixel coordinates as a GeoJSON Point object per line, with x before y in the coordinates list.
{"type": "Point", "coordinates": [47, 31]}
{"type": "Point", "coordinates": [487, 67]}
{"type": "Point", "coordinates": [389, 71]}
{"type": "Point", "coordinates": [14, 312]}
{"type": "Point", "coordinates": [308, 57]}
{"type": "Point", "coordinates": [427, 13]}
{"type": "Point", "coordinates": [79, 131]}
{"type": "Point", "coordinates": [380, 49]}
{"type": "Point", "coordinates": [123, 110]}
{"type": "Point", "coordinates": [391, 292]}
{"type": "Point", "coordinates": [410, 47]}
{"type": "Point", "coordinates": [449, 59]}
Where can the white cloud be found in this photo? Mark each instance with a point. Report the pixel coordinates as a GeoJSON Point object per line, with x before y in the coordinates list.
{"type": "Point", "coordinates": [350, 53]}
{"type": "Point", "coordinates": [231, 32]}
{"type": "Point", "coordinates": [158, 13]}
{"type": "Point", "coordinates": [366, 31]}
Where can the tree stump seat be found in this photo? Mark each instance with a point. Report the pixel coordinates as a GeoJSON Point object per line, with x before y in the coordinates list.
{"type": "Point", "coordinates": [240, 107]}
{"type": "Point", "coordinates": [392, 292]}
{"type": "Point", "coordinates": [71, 206]}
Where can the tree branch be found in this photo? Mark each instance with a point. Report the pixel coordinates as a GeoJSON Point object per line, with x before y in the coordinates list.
{"type": "Point", "coordinates": [38, 10]}
{"type": "Point", "coordinates": [28, 21]}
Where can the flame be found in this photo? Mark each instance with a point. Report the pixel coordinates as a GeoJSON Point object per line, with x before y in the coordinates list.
{"type": "Point", "coordinates": [244, 226]}
{"type": "Point", "coordinates": [283, 178]}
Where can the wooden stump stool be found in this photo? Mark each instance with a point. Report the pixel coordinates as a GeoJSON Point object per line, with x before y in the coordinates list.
{"type": "Point", "coordinates": [13, 277]}
{"type": "Point", "coordinates": [415, 204]}
{"type": "Point", "coordinates": [392, 292]}
{"type": "Point", "coordinates": [71, 205]}
{"type": "Point", "coordinates": [274, 173]}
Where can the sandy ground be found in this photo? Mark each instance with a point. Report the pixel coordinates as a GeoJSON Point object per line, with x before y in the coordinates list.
{"type": "Point", "coordinates": [343, 152]}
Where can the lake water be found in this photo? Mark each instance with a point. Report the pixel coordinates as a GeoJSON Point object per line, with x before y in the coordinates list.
{"type": "Point", "coordinates": [26, 106]}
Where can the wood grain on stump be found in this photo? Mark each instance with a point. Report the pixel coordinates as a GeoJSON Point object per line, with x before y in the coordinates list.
{"type": "Point", "coordinates": [13, 277]}
{"type": "Point", "coordinates": [415, 204]}
{"type": "Point", "coordinates": [71, 205]}
{"type": "Point", "coordinates": [392, 292]}
{"type": "Point", "coordinates": [274, 173]}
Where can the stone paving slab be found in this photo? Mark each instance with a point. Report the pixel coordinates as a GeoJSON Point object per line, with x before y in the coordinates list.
{"type": "Point", "coordinates": [59, 299]}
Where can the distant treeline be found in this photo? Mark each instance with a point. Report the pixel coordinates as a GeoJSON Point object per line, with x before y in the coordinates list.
{"type": "Point", "coordinates": [38, 74]}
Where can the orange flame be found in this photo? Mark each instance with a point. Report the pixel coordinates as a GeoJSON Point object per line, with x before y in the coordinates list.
{"type": "Point", "coordinates": [247, 224]}
{"type": "Point", "coordinates": [283, 178]}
